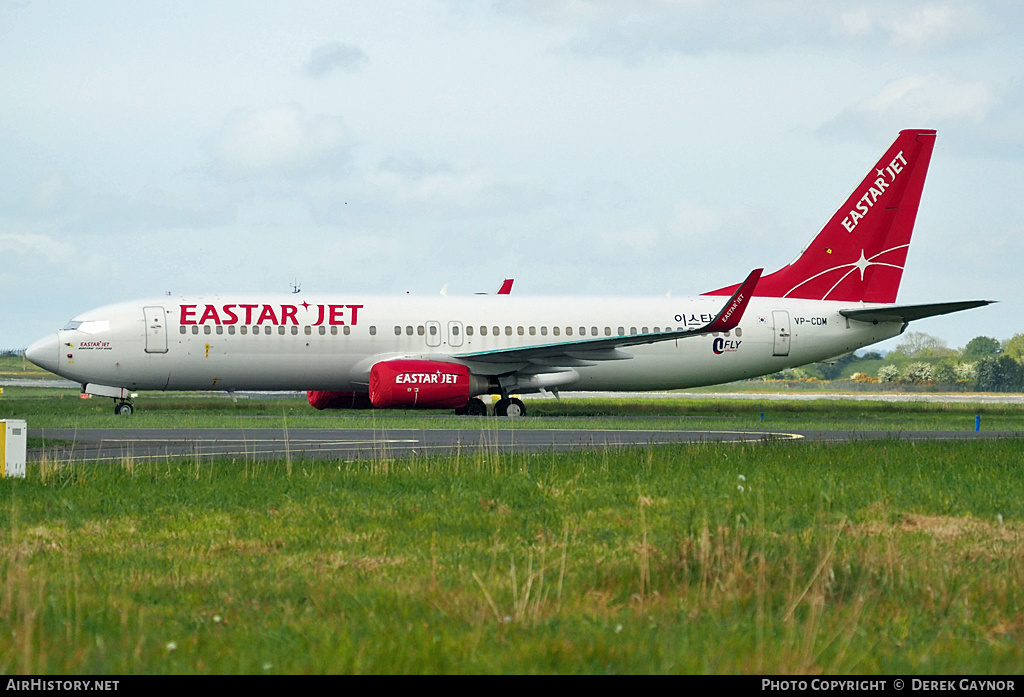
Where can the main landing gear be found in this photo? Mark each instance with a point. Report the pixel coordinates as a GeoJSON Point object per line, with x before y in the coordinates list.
{"type": "Point", "coordinates": [123, 407]}
{"type": "Point", "coordinates": [510, 407]}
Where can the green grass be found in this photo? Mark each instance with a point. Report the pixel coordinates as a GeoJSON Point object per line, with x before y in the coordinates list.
{"type": "Point", "coordinates": [876, 557]}
{"type": "Point", "coordinates": [55, 408]}
{"type": "Point", "coordinates": [17, 367]}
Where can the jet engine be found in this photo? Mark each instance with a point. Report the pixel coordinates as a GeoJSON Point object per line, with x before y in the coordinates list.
{"type": "Point", "coordinates": [320, 399]}
{"type": "Point", "coordinates": [412, 384]}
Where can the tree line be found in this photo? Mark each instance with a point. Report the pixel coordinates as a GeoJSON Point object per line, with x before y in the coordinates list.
{"type": "Point", "coordinates": [984, 364]}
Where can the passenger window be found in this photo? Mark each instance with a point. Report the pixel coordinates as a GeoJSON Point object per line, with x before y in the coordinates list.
{"type": "Point", "coordinates": [739, 332]}
{"type": "Point", "coordinates": [307, 330]}
{"type": "Point", "coordinates": [555, 330]}
{"type": "Point", "coordinates": [421, 331]}
{"type": "Point", "coordinates": [295, 330]}
{"type": "Point", "coordinates": [334, 330]}
{"type": "Point", "coordinates": [622, 331]}
{"type": "Point", "coordinates": [508, 330]}
{"type": "Point", "coordinates": [455, 330]}
{"type": "Point", "coordinates": [280, 330]}
{"type": "Point", "coordinates": [520, 331]}
{"type": "Point", "coordinates": [469, 330]}
{"type": "Point", "coordinates": [231, 330]}
{"type": "Point", "coordinates": [483, 330]}
{"type": "Point", "coordinates": [373, 330]}
{"type": "Point", "coordinates": [181, 329]}
{"type": "Point", "coordinates": [245, 330]}
{"type": "Point", "coordinates": [220, 329]}
{"type": "Point", "coordinates": [607, 331]}
{"type": "Point", "coordinates": [195, 329]}
{"type": "Point", "coordinates": [347, 330]}
{"type": "Point", "coordinates": [533, 331]}
{"type": "Point", "coordinates": [543, 331]}
{"type": "Point", "coordinates": [632, 331]}
{"type": "Point", "coordinates": [266, 330]}
{"type": "Point", "coordinates": [408, 330]}
{"type": "Point", "coordinates": [433, 330]}
{"type": "Point", "coordinates": [398, 330]}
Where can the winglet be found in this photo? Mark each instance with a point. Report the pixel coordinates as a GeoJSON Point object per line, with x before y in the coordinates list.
{"type": "Point", "coordinates": [732, 313]}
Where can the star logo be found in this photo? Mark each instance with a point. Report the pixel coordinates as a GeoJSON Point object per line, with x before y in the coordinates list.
{"type": "Point", "coordinates": [862, 264]}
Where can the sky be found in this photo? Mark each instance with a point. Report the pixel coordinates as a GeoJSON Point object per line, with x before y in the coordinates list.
{"type": "Point", "coordinates": [580, 147]}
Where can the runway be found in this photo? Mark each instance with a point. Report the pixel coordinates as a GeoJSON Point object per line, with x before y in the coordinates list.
{"type": "Point", "coordinates": [114, 445]}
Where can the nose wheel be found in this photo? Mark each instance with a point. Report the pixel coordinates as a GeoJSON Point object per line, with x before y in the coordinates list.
{"type": "Point", "coordinates": [123, 407]}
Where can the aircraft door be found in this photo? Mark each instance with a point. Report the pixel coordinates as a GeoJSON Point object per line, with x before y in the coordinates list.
{"type": "Point", "coordinates": [455, 333]}
{"type": "Point", "coordinates": [156, 329]}
{"type": "Point", "coordinates": [433, 333]}
{"type": "Point", "coordinates": [783, 335]}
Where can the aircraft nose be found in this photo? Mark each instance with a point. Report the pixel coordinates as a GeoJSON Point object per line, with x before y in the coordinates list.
{"type": "Point", "coordinates": [44, 353]}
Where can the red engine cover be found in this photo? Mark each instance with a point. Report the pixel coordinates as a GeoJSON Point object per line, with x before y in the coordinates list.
{"type": "Point", "coordinates": [338, 400]}
{"type": "Point", "coordinates": [419, 384]}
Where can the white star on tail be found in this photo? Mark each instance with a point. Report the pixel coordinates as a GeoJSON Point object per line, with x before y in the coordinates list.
{"type": "Point", "coordinates": [861, 264]}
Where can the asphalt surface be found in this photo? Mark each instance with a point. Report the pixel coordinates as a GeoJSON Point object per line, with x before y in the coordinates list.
{"type": "Point", "coordinates": [114, 445]}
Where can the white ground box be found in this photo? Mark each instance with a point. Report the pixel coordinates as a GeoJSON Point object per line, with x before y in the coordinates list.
{"type": "Point", "coordinates": [13, 444]}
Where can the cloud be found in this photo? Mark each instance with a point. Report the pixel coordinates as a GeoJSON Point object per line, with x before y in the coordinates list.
{"type": "Point", "coordinates": [635, 32]}
{"type": "Point", "coordinates": [935, 98]}
{"type": "Point", "coordinates": [36, 245]}
{"type": "Point", "coordinates": [334, 56]}
{"type": "Point", "coordinates": [280, 141]}
{"type": "Point", "coordinates": [919, 101]}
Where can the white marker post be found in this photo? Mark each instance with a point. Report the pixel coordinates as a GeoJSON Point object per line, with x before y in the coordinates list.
{"type": "Point", "coordinates": [13, 444]}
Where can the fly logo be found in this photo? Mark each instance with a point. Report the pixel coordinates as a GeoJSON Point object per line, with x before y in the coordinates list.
{"type": "Point", "coordinates": [720, 345]}
{"type": "Point", "coordinates": [866, 202]}
{"type": "Point", "coordinates": [426, 379]}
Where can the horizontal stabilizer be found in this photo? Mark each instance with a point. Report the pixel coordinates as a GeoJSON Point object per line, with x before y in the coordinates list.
{"type": "Point", "coordinates": [908, 313]}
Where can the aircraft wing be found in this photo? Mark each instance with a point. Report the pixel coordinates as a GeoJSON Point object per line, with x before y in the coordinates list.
{"type": "Point", "coordinates": [908, 313]}
{"type": "Point", "coordinates": [582, 351]}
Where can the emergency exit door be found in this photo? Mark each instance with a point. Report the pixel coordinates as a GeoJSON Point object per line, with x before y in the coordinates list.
{"type": "Point", "coordinates": [783, 333]}
{"type": "Point", "coordinates": [156, 329]}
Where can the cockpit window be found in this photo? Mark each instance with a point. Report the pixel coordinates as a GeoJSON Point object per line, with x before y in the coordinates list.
{"type": "Point", "coordinates": [94, 326]}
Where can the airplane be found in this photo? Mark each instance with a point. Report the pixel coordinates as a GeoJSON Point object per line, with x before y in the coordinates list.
{"type": "Point", "coordinates": [360, 351]}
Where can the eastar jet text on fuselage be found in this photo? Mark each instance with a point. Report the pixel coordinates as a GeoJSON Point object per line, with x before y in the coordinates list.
{"type": "Point", "coordinates": [358, 351]}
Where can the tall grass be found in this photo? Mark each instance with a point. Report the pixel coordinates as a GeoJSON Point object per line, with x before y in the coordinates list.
{"type": "Point", "coordinates": [782, 558]}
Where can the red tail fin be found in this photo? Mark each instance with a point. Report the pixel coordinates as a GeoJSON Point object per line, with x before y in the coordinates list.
{"type": "Point", "coordinates": [860, 252]}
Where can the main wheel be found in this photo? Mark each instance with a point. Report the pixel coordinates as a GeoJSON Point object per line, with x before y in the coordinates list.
{"type": "Point", "coordinates": [512, 408]}
{"type": "Point", "coordinates": [124, 409]}
{"type": "Point", "coordinates": [476, 407]}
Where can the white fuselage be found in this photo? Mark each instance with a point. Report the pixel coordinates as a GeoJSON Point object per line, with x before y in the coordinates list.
{"type": "Point", "coordinates": [234, 342]}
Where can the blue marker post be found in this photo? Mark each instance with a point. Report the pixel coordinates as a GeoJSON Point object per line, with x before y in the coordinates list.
{"type": "Point", "coordinates": [977, 422]}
